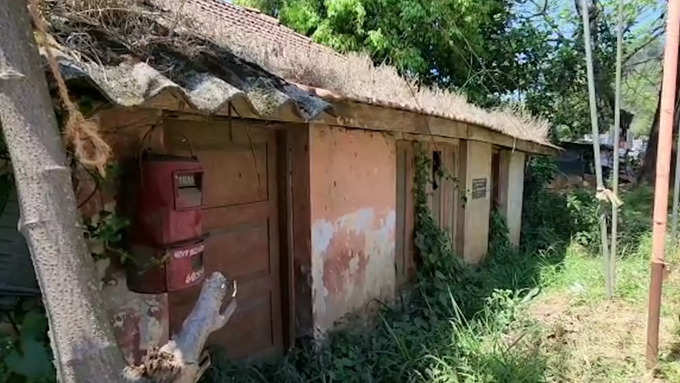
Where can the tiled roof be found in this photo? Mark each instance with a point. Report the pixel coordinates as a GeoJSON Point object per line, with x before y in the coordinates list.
{"type": "Point", "coordinates": [250, 20]}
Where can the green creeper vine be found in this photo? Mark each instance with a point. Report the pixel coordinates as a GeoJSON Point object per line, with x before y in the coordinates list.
{"type": "Point", "coordinates": [444, 277]}
{"type": "Point", "coordinates": [440, 267]}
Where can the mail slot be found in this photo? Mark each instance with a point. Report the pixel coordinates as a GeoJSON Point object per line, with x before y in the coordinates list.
{"type": "Point", "coordinates": [169, 200]}
{"type": "Point", "coordinates": [160, 270]}
{"type": "Point", "coordinates": [188, 189]}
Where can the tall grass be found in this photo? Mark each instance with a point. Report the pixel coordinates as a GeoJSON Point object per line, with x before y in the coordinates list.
{"type": "Point", "coordinates": [413, 345]}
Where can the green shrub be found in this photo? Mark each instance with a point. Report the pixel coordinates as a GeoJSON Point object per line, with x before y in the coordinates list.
{"type": "Point", "coordinates": [546, 220]}
{"type": "Point", "coordinates": [635, 218]}
{"type": "Point", "coordinates": [584, 212]}
{"type": "Point", "coordinates": [25, 354]}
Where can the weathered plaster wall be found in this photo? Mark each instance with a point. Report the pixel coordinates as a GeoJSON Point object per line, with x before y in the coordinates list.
{"type": "Point", "coordinates": [511, 183]}
{"type": "Point", "coordinates": [140, 321]}
{"type": "Point", "coordinates": [475, 169]}
{"type": "Point", "coordinates": [353, 201]}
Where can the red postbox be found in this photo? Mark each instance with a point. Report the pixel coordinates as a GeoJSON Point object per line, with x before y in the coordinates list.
{"type": "Point", "coordinates": [169, 199]}
{"type": "Point", "coordinates": [171, 268]}
{"type": "Point", "coordinates": [167, 233]}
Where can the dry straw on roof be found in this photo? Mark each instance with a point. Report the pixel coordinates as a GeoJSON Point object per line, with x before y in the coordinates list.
{"type": "Point", "coordinates": [261, 40]}
{"type": "Point", "coordinates": [353, 75]}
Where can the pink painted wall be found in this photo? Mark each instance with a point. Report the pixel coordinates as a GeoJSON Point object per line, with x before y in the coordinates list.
{"type": "Point", "coordinates": [353, 202]}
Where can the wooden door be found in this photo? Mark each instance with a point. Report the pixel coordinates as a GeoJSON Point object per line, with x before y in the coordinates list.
{"type": "Point", "coordinates": [240, 216]}
{"type": "Point", "coordinates": [445, 185]}
{"type": "Point", "coordinates": [443, 200]}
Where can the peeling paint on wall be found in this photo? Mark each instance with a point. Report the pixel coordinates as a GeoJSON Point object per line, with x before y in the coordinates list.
{"type": "Point", "coordinates": [353, 194]}
{"type": "Point", "coordinates": [353, 263]}
{"type": "Point", "coordinates": [140, 321]}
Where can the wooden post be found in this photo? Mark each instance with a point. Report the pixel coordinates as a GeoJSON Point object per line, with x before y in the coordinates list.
{"type": "Point", "coordinates": [663, 159]}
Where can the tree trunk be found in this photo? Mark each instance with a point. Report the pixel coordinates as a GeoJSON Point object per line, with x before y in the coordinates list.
{"type": "Point", "coordinates": [647, 172]}
{"type": "Point", "coordinates": [81, 334]}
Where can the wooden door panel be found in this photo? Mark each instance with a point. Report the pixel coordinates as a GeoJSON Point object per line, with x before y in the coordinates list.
{"type": "Point", "coordinates": [249, 259]}
{"type": "Point", "coordinates": [250, 332]}
{"type": "Point", "coordinates": [240, 216]}
{"type": "Point", "coordinates": [405, 249]}
{"type": "Point", "coordinates": [242, 181]}
{"type": "Point", "coordinates": [213, 219]}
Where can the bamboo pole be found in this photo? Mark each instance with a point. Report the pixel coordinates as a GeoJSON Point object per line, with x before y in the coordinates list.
{"type": "Point", "coordinates": [617, 130]}
{"type": "Point", "coordinates": [596, 139]}
{"type": "Point", "coordinates": [663, 159]}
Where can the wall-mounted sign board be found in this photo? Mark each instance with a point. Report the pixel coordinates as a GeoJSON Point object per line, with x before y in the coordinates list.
{"type": "Point", "coordinates": [479, 188]}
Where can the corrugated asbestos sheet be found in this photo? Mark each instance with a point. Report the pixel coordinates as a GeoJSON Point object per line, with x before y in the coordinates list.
{"type": "Point", "coordinates": [207, 91]}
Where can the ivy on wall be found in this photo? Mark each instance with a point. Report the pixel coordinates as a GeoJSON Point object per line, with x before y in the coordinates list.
{"type": "Point", "coordinates": [440, 268]}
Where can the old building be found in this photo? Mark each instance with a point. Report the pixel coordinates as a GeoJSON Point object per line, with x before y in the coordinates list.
{"type": "Point", "coordinates": [308, 161]}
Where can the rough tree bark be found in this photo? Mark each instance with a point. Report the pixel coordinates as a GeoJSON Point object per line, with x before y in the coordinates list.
{"type": "Point", "coordinates": [647, 172]}
{"type": "Point", "coordinates": [81, 335]}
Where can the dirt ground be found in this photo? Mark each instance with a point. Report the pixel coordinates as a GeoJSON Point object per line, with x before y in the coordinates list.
{"type": "Point", "coordinates": [604, 341]}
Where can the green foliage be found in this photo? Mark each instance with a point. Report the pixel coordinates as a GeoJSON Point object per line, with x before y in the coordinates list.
{"type": "Point", "coordinates": [635, 217]}
{"type": "Point", "coordinates": [499, 239]}
{"type": "Point", "coordinates": [451, 43]}
{"type": "Point", "coordinates": [545, 218]}
{"type": "Point", "coordinates": [105, 231]}
{"type": "Point", "coordinates": [411, 343]}
{"type": "Point", "coordinates": [584, 211]}
{"type": "Point", "coordinates": [552, 220]}
{"type": "Point", "coordinates": [439, 266]}
{"type": "Point", "coordinates": [25, 355]}
{"type": "Point", "coordinates": [6, 187]}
